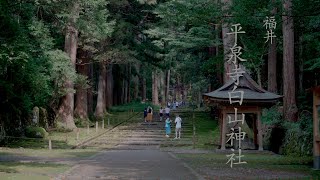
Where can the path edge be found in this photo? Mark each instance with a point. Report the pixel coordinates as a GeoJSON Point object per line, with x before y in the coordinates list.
{"type": "Point", "coordinates": [199, 177]}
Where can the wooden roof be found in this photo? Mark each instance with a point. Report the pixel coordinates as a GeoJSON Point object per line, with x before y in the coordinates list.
{"type": "Point", "coordinates": [252, 92]}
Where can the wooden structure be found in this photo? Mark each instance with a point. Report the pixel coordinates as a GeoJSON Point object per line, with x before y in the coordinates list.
{"type": "Point", "coordinates": [316, 128]}
{"type": "Point", "coordinates": [254, 99]}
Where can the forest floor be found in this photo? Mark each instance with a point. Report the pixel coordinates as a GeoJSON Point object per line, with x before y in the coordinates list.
{"type": "Point", "coordinates": [138, 150]}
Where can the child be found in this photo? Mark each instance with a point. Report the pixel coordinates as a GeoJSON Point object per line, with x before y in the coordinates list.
{"type": "Point", "coordinates": [168, 127]}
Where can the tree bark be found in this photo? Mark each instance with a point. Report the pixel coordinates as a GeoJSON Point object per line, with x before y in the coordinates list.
{"type": "Point", "coordinates": [272, 68]}
{"type": "Point", "coordinates": [272, 64]}
{"type": "Point", "coordinates": [90, 90]}
{"type": "Point", "coordinates": [81, 102]}
{"type": "Point", "coordinates": [219, 72]}
{"type": "Point", "coordinates": [228, 41]}
{"type": "Point", "coordinates": [101, 100]}
{"type": "Point", "coordinates": [123, 94]}
{"type": "Point", "coordinates": [300, 66]}
{"type": "Point", "coordinates": [65, 111]}
{"type": "Point", "coordinates": [289, 87]}
{"type": "Point", "coordinates": [178, 89]}
{"type": "Point", "coordinates": [259, 77]}
{"type": "Point", "coordinates": [144, 89]}
{"type": "Point", "coordinates": [155, 95]}
{"type": "Point", "coordinates": [128, 84]}
{"type": "Point", "coordinates": [162, 88]}
{"type": "Point", "coordinates": [109, 88]}
{"type": "Point", "coordinates": [168, 85]}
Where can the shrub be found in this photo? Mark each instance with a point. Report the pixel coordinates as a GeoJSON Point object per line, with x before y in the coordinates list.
{"type": "Point", "coordinates": [298, 138]}
{"type": "Point", "coordinates": [273, 131]}
{"type": "Point", "coordinates": [36, 132]}
{"type": "Point", "coordinates": [284, 137]}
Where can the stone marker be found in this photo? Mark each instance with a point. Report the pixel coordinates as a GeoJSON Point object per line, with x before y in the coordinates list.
{"type": "Point", "coordinates": [35, 116]}
{"type": "Point", "coordinates": [50, 144]}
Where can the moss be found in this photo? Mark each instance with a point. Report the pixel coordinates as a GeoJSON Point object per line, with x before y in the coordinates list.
{"type": "Point", "coordinates": [36, 132]}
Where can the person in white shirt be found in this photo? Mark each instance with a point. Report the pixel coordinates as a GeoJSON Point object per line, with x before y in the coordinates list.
{"type": "Point", "coordinates": [178, 121]}
{"type": "Point", "coordinates": [167, 111]}
{"type": "Point", "coordinates": [161, 113]}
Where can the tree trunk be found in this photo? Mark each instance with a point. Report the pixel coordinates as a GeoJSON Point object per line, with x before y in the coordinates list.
{"type": "Point", "coordinates": [123, 94]}
{"type": "Point", "coordinates": [101, 100]}
{"type": "Point", "coordinates": [272, 64]}
{"type": "Point", "coordinates": [272, 68]}
{"type": "Point", "coordinates": [155, 95]}
{"type": "Point", "coordinates": [90, 90]}
{"type": "Point", "coordinates": [178, 89]}
{"type": "Point", "coordinates": [136, 88]}
{"type": "Point", "coordinates": [259, 77]}
{"type": "Point", "coordinates": [128, 84]}
{"type": "Point", "coordinates": [109, 89]}
{"type": "Point", "coordinates": [125, 83]}
{"type": "Point", "coordinates": [81, 102]}
{"type": "Point", "coordinates": [162, 88]}
{"type": "Point", "coordinates": [228, 41]}
{"type": "Point", "coordinates": [219, 67]}
{"type": "Point", "coordinates": [289, 99]}
{"type": "Point", "coordinates": [144, 89]}
{"type": "Point", "coordinates": [65, 112]}
{"type": "Point", "coordinates": [301, 90]}
{"type": "Point", "coordinates": [167, 85]}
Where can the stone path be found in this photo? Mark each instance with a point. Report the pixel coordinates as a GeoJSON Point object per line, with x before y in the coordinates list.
{"type": "Point", "coordinates": [131, 164]}
{"type": "Point", "coordinates": [133, 152]}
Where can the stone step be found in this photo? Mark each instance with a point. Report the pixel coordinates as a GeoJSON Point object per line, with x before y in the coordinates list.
{"type": "Point", "coordinates": [160, 136]}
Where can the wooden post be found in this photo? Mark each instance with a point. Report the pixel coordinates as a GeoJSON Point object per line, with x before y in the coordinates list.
{"type": "Point", "coordinates": [260, 140]}
{"type": "Point", "coordinates": [97, 126]}
{"type": "Point", "coordinates": [102, 126]}
{"type": "Point", "coordinates": [50, 144]}
{"type": "Point", "coordinates": [223, 130]}
{"type": "Point", "coordinates": [108, 122]}
{"type": "Point", "coordinates": [88, 130]}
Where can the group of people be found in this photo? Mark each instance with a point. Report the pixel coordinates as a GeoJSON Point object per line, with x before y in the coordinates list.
{"type": "Point", "coordinates": [177, 121]}
{"type": "Point", "coordinates": [148, 112]}
{"type": "Point", "coordinates": [175, 104]}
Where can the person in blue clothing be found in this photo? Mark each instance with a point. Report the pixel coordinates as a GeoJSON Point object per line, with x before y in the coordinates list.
{"type": "Point", "coordinates": [168, 126]}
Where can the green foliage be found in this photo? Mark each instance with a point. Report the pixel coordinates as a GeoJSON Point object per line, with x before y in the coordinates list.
{"type": "Point", "coordinates": [289, 138]}
{"type": "Point", "coordinates": [35, 132]}
{"type": "Point", "coordinates": [61, 70]}
{"type": "Point", "coordinates": [298, 138]}
{"type": "Point", "coordinates": [135, 106]}
{"type": "Point", "coordinates": [271, 116]}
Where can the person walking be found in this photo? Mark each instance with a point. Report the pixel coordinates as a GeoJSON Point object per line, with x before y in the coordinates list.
{"type": "Point", "coordinates": [167, 111]}
{"type": "Point", "coordinates": [168, 126]}
{"type": "Point", "coordinates": [149, 115]}
{"type": "Point", "coordinates": [145, 113]}
{"type": "Point", "coordinates": [161, 113]}
{"type": "Point", "coordinates": [178, 121]}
